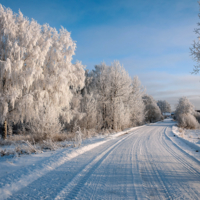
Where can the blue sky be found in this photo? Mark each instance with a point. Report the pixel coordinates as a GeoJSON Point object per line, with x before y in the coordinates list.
{"type": "Point", "coordinates": [151, 38]}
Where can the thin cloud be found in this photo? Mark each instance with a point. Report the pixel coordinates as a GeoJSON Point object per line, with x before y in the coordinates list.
{"type": "Point", "coordinates": [170, 87]}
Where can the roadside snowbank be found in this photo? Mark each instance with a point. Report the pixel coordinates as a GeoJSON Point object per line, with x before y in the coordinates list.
{"type": "Point", "coordinates": [188, 136]}
{"type": "Point", "coordinates": [185, 140]}
{"type": "Point", "coordinates": [29, 168]}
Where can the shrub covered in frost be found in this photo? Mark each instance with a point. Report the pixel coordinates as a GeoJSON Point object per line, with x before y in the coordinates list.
{"type": "Point", "coordinates": [187, 121]}
{"type": "Point", "coordinates": [197, 115]}
{"type": "Point", "coordinates": [185, 114]}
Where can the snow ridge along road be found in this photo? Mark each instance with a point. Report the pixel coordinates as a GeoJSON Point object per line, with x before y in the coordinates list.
{"type": "Point", "coordinates": [144, 164]}
{"type": "Point", "coordinates": [23, 177]}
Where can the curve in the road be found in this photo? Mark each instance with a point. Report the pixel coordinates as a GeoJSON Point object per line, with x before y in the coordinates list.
{"type": "Point", "coordinates": [144, 164]}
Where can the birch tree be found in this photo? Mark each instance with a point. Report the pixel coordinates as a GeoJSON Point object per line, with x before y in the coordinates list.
{"type": "Point", "coordinates": [137, 107]}
{"type": "Point", "coordinates": [36, 69]}
{"type": "Point", "coordinates": [111, 86]}
{"type": "Point", "coordinates": [120, 88]}
{"type": "Point", "coordinates": [100, 85]}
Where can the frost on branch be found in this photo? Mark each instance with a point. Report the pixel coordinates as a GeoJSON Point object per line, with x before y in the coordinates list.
{"type": "Point", "coordinates": [36, 69]}
{"type": "Point", "coordinates": [137, 107]}
{"type": "Point", "coordinates": [195, 49]}
{"type": "Point", "coordinates": [185, 114]}
{"type": "Point", "coordinates": [111, 99]}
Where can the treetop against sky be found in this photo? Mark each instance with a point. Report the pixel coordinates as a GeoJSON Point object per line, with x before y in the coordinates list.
{"type": "Point", "coordinates": [150, 38]}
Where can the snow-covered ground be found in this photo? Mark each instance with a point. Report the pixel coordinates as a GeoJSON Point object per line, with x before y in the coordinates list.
{"type": "Point", "coordinates": [146, 163]}
{"type": "Point", "coordinates": [192, 135]}
{"type": "Point", "coordinates": [188, 140]}
{"type": "Point", "coordinates": [49, 159]}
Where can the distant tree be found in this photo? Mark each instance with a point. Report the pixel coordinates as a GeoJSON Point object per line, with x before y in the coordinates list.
{"type": "Point", "coordinates": [152, 111]}
{"type": "Point", "coordinates": [164, 106]}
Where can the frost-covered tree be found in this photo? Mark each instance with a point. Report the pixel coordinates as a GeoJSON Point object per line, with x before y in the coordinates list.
{"type": "Point", "coordinates": [195, 49]}
{"type": "Point", "coordinates": [152, 111]}
{"type": "Point", "coordinates": [185, 114]}
{"type": "Point", "coordinates": [111, 86]}
{"type": "Point", "coordinates": [36, 69]}
{"type": "Point", "coordinates": [120, 88]}
{"type": "Point", "coordinates": [184, 106]}
{"type": "Point", "coordinates": [20, 62]}
{"type": "Point", "coordinates": [89, 108]}
{"type": "Point", "coordinates": [118, 98]}
{"type": "Point", "coordinates": [99, 86]}
{"type": "Point", "coordinates": [164, 106]}
{"type": "Point", "coordinates": [136, 103]}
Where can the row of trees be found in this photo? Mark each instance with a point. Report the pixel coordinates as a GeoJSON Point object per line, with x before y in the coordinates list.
{"type": "Point", "coordinates": [43, 92]}
{"type": "Point", "coordinates": [36, 73]}
{"type": "Point", "coordinates": [111, 99]}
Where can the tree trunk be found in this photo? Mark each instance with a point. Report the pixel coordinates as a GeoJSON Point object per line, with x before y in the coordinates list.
{"type": "Point", "coordinates": [10, 129]}
{"type": "Point", "coordinates": [5, 130]}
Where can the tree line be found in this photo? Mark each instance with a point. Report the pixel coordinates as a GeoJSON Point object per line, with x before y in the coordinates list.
{"type": "Point", "coordinates": [43, 92]}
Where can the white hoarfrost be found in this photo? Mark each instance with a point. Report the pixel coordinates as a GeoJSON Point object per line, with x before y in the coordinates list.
{"type": "Point", "coordinates": [185, 114]}
{"type": "Point", "coordinates": [152, 111]}
{"type": "Point", "coordinates": [164, 106]}
{"type": "Point", "coordinates": [36, 69]}
{"type": "Point", "coordinates": [136, 105]}
{"type": "Point", "coordinates": [195, 49]}
{"type": "Point", "coordinates": [117, 97]}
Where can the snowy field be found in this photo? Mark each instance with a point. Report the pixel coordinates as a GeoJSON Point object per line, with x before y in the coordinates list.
{"type": "Point", "coordinates": [147, 163]}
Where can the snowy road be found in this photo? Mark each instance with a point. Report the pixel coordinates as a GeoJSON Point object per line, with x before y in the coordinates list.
{"type": "Point", "coordinates": [143, 164]}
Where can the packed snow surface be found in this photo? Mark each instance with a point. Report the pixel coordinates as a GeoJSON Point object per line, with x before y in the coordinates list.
{"type": "Point", "coordinates": [147, 163]}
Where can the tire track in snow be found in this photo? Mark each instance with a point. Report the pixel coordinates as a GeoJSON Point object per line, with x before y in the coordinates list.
{"type": "Point", "coordinates": [152, 179]}
{"type": "Point", "coordinates": [141, 192]}
{"type": "Point", "coordinates": [182, 160]}
{"type": "Point", "coordinates": [160, 169]}
{"type": "Point", "coordinates": [17, 181]}
{"type": "Point", "coordinates": [182, 191]}
{"type": "Point", "coordinates": [72, 189]}
{"type": "Point", "coordinates": [99, 186]}
{"type": "Point", "coordinates": [187, 165]}
{"type": "Point", "coordinates": [158, 174]}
